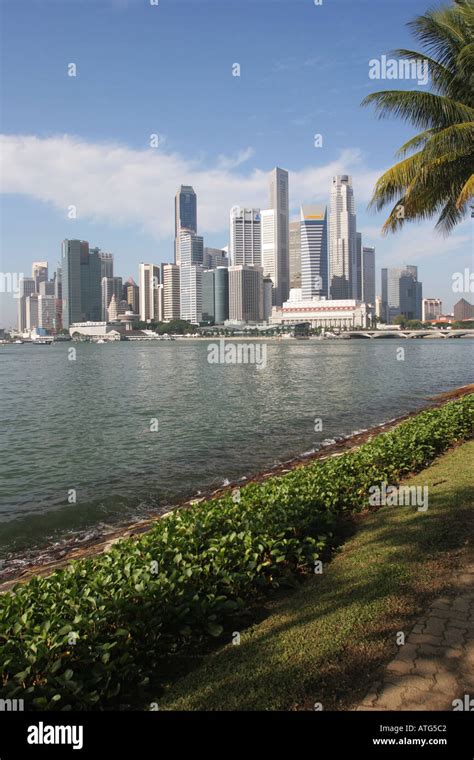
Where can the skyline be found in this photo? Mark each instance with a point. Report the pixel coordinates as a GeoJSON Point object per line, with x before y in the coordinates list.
{"type": "Point", "coordinates": [86, 140]}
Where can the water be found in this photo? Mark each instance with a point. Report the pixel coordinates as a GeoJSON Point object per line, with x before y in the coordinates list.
{"type": "Point", "coordinates": [85, 424]}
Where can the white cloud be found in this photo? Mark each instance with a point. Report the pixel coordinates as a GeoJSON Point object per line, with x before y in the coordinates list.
{"type": "Point", "coordinates": [117, 185]}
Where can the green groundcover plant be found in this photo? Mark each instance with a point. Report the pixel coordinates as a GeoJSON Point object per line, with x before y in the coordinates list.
{"type": "Point", "coordinates": [88, 635]}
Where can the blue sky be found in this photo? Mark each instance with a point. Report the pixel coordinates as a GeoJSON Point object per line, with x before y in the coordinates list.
{"type": "Point", "coordinates": [167, 70]}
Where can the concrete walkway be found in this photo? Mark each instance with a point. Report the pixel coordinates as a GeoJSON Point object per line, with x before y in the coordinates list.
{"type": "Point", "coordinates": [436, 664]}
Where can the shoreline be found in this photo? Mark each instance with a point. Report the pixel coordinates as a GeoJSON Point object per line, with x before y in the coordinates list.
{"type": "Point", "coordinates": [98, 545]}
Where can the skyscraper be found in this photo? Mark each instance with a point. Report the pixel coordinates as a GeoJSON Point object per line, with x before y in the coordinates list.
{"type": "Point", "coordinates": [275, 243]}
{"type": "Point", "coordinates": [314, 252]}
{"type": "Point", "coordinates": [191, 248]}
{"type": "Point", "coordinates": [245, 236]}
{"type": "Point", "coordinates": [221, 294]}
{"type": "Point", "coordinates": [47, 312]}
{"type": "Point", "coordinates": [185, 216]}
{"type": "Point", "coordinates": [171, 280]}
{"type": "Point", "coordinates": [106, 262]}
{"type": "Point", "coordinates": [81, 282]}
{"type": "Point", "coordinates": [208, 296]}
{"type": "Point", "coordinates": [131, 293]}
{"type": "Point", "coordinates": [357, 271]}
{"type": "Point", "coordinates": [27, 286]}
{"type": "Point", "coordinates": [368, 274]}
{"type": "Point", "coordinates": [39, 273]}
{"type": "Point", "coordinates": [149, 281]}
{"type": "Point", "coordinates": [295, 253]}
{"type": "Point", "coordinates": [32, 311]}
{"type": "Point", "coordinates": [110, 286]}
{"type": "Point", "coordinates": [215, 257]}
{"type": "Point", "coordinates": [191, 292]}
{"type": "Point", "coordinates": [246, 293]}
{"type": "Point", "coordinates": [342, 238]}
{"type": "Point", "coordinates": [401, 293]}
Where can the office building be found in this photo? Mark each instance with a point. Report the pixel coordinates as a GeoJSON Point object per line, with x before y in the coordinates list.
{"type": "Point", "coordinates": [279, 202]}
{"type": "Point", "coordinates": [110, 286]}
{"type": "Point", "coordinates": [368, 274]}
{"type": "Point", "coordinates": [47, 312]}
{"type": "Point", "coordinates": [171, 295]}
{"type": "Point", "coordinates": [39, 273]}
{"type": "Point", "coordinates": [149, 300]}
{"type": "Point", "coordinates": [191, 248]}
{"type": "Point", "coordinates": [401, 293]}
{"type": "Point", "coordinates": [245, 293]}
{"type": "Point", "coordinates": [32, 312]}
{"type": "Point", "coordinates": [314, 252]}
{"type": "Point", "coordinates": [185, 216]}
{"type": "Point", "coordinates": [357, 272]}
{"type": "Point", "coordinates": [208, 296]}
{"type": "Point", "coordinates": [295, 254]}
{"type": "Point", "coordinates": [46, 288]}
{"type": "Point", "coordinates": [268, 297]}
{"type": "Point", "coordinates": [81, 282]}
{"type": "Point", "coordinates": [245, 236]}
{"type": "Point", "coordinates": [221, 295]}
{"type": "Point", "coordinates": [342, 238]}
{"type": "Point", "coordinates": [131, 294]}
{"type": "Point", "coordinates": [26, 288]}
{"type": "Point", "coordinates": [106, 263]}
{"type": "Point", "coordinates": [431, 308]}
{"type": "Point", "coordinates": [191, 292]}
{"type": "Point", "coordinates": [215, 257]}
{"type": "Point", "coordinates": [463, 310]}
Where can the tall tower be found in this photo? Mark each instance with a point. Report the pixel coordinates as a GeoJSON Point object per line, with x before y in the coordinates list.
{"type": "Point", "coordinates": [314, 252]}
{"type": "Point", "coordinates": [185, 216]}
{"type": "Point", "coordinates": [81, 282]}
{"type": "Point", "coordinates": [149, 281]}
{"type": "Point", "coordinates": [342, 238]}
{"type": "Point", "coordinates": [295, 253]}
{"type": "Point", "coordinates": [368, 274]}
{"type": "Point", "coordinates": [39, 273]}
{"type": "Point", "coordinates": [245, 236]}
{"type": "Point", "coordinates": [279, 202]}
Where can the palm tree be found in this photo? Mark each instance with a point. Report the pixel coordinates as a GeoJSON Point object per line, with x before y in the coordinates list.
{"type": "Point", "coordinates": [435, 173]}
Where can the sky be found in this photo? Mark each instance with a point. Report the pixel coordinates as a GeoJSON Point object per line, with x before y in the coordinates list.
{"type": "Point", "coordinates": [163, 75]}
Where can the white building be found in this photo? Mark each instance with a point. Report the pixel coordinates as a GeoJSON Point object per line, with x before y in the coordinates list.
{"type": "Point", "coordinates": [245, 236]}
{"type": "Point", "coordinates": [431, 308]}
{"type": "Point", "coordinates": [191, 292]}
{"type": "Point", "coordinates": [32, 311]}
{"type": "Point", "coordinates": [171, 296]}
{"type": "Point", "coordinates": [96, 330]}
{"type": "Point", "coordinates": [46, 312]}
{"type": "Point", "coordinates": [342, 239]}
{"type": "Point", "coordinates": [148, 282]}
{"type": "Point", "coordinates": [329, 314]}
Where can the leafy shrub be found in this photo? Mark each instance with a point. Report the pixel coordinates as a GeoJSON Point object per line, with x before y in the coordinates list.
{"type": "Point", "coordinates": [85, 635]}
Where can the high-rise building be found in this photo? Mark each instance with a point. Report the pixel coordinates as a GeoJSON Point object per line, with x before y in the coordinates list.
{"type": "Point", "coordinates": [27, 286]}
{"type": "Point", "coordinates": [278, 268]}
{"type": "Point", "coordinates": [47, 311]}
{"type": "Point", "coordinates": [191, 248]}
{"type": "Point", "coordinates": [39, 273]}
{"type": "Point", "coordinates": [171, 297]}
{"type": "Point", "coordinates": [191, 292]}
{"type": "Point", "coordinates": [245, 236]}
{"type": "Point", "coordinates": [46, 288]}
{"type": "Point", "coordinates": [269, 248]}
{"type": "Point", "coordinates": [106, 262]}
{"type": "Point", "coordinates": [463, 310]}
{"type": "Point", "coordinates": [246, 293]}
{"type": "Point", "coordinates": [32, 311]}
{"type": "Point", "coordinates": [431, 308]}
{"type": "Point", "coordinates": [149, 280]}
{"type": "Point", "coordinates": [81, 282]}
{"type": "Point", "coordinates": [295, 253]}
{"type": "Point", "coordinates": [221, 294]}
{"type": "Point", "coordinates": [208, 296]}
{"type": "Point", "coordinates": [368, 275]}
{"type": "Point", "coordinates": [342, 238]}
{"type": "Point", "coordinates": [131, 294]}
{"type": "Point", "coordinates": [357, 271]}
{"type": "Point", "coordinates": [268, 297]}
{"type": "Point", "coordinates": [401, 293]}
{"type": "Point", "coordinates": [215, 257]}
{"type": "Point", "coordinates": [314, 252]}
{"type": "Point", "coordinates": [58, 296]}
{"type": "Point", "coordinates": [112, 309]}
{"type": "Point", "coordinates": [185, 216]}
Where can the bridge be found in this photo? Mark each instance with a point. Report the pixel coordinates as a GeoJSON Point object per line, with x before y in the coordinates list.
{"type": "Point", "coordinates": [377, 334]}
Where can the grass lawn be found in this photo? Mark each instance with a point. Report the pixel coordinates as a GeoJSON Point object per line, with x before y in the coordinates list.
{"type": "Point", "coordinates": [325, 641]}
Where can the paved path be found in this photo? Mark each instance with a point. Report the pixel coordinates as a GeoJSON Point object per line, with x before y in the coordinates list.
{"type": "Point", "coordinates": [436, 663]}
